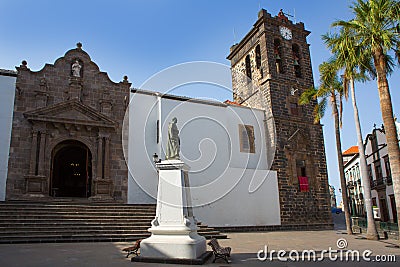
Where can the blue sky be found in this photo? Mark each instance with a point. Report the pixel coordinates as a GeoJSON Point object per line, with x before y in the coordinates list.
{"type": "Point", "coordinates": [141, 38]}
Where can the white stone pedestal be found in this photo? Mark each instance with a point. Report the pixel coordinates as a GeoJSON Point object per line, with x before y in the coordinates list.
{"type": "Point", "coordinates": [174, 229]}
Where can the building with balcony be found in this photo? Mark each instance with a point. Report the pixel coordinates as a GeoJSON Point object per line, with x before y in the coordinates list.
{"type": "Point", "coordinates": [333, 196]}
{"type": "Point", "coordinates": [380, 175]}
{"type": "Point", "coordinates": [378, 165]}
{"type": "Point", "coordinates": [354, 187]}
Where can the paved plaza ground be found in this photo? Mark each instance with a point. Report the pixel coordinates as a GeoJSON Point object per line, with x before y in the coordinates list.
{"type": "Point", "coordinates": [244, 251]}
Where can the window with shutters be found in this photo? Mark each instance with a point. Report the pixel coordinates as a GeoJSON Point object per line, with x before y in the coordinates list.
{"type": "Point", "coordinates": [302, 176]}
{"type": "Point", "coordinates": [294, 109]}
{"type": "Point", "coordinates": [246, 135]}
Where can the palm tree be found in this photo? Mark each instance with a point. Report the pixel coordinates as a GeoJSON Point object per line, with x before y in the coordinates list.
{"type": "Point", "coordinates": [331, 90]}
{"type": "Point", "coordinates": [376, 31]}
{"type": "Point", "coordinates": [348, 56]}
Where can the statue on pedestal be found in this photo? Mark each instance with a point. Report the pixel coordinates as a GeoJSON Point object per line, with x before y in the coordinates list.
{"type": "Point", "coordinates": [173, 143]}
{"type": "Point", "coordinates": [173, 231]}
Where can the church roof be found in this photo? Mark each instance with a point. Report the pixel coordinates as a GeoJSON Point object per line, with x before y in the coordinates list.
{"type": "Point", "coordinates": [4, 72]}
{"type": "Point", "coordinates": [231, 102]}
{"type": "Point", "coordinates": [225, 104]}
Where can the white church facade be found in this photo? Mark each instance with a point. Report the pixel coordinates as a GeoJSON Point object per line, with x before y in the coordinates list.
{"type": "Point", "coordinates": [225, 148]}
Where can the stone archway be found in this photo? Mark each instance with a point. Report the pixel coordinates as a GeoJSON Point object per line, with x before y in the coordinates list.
{"type": "Point", "coordinates": [71, 170]}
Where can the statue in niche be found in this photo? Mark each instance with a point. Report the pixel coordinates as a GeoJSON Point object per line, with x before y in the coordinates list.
{"type": "Point", "coordinates": [76, 69]}
{"type": "Point", "coordinates": [173, 143]}
{"type": "Point", "coordinates": [43, 84]}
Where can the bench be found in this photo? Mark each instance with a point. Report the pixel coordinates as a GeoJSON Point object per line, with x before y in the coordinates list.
{"type": "Point", "coordinates": [219, 252]}
{"type": "Point", "coordinates": [356, 229]}
{"type": "Point", "coordinates": [134, 249]}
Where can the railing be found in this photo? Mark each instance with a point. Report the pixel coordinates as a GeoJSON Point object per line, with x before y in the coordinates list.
{"type": "Point", "coordinates": [381, 226]}
{"type": "Point", "coordinates": [388, 226]}
{"type": "Point", "coordinates": [381, 181]}
{"type": "Point", "coordinates": [350, 184]}
{"type": "Point", "coordinates": [353, 183]}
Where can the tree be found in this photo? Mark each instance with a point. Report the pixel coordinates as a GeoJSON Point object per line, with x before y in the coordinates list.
{"type": "Point", "coordinates": [331, 90]}
{"type": "Point", "coordinates": [376, 31]}
{"type": "Point", "coordinates": [354, 61]}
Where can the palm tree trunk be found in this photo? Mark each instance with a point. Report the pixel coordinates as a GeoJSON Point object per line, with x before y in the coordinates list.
{"type": "Point", "coordinates": [372, 233]}
{"type": "Point", "coordinates": [341, 168]}
{"type": "Point", "coordinates": [390, 127]}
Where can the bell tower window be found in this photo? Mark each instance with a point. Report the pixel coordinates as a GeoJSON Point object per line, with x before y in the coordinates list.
{"type": "Point", "coordinates": [296, 60]}
{"type": "Point", "coordinates": [258, 57]}
{"type": "Point", "coordinates": [278, 56]}
{"type": "Point", "coordinates": [248, 66]}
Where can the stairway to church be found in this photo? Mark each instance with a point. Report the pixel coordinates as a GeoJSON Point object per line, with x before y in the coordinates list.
{"type": "Point", "coordinates": [22, 222]}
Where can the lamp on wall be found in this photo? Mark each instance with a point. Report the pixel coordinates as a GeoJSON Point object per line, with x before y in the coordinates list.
{"type": "Point", "coordinates": [156, 159]}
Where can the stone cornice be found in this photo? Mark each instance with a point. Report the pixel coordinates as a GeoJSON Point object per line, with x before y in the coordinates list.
{"type": "Point", "coordinates": [48, 114]}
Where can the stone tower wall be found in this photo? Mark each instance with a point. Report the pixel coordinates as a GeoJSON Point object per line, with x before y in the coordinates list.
{"type": "Point", "coordinates": [298, 139]}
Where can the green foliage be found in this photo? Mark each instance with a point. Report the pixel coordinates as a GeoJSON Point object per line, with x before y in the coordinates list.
{"type": "Point", "coordinates": [373, 32]}
{"type": "Point", "coordinates": [330, 89]}
{"type": "Point", "coordinates": [348, 55]}
{"type": "Point", "coordinates": [355, 45]}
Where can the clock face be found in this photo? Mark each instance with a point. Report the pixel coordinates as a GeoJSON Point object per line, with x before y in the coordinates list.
{"type": "Point", "coordinates": [285, 32]}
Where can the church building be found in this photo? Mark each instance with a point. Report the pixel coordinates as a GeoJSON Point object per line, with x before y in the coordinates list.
{"type": "Point", "coordinates": [67, 135]}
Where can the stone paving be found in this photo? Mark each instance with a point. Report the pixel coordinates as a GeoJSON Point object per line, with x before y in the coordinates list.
{"type": "Point", "coordinates": [244, 250]}
{"type": "Point", "coordinates": [244, 247]}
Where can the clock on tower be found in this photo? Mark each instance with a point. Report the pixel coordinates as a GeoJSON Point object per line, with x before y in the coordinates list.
{"type": "Point", "coordinates": [285, 32]}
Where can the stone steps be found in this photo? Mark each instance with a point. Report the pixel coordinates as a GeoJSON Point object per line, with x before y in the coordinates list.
{"type": "Point", "coordinates": [23, 222]}
{"type": "Point", "coordinates": [70, 232]}
{"type": "Point", "coordinates": [77, 208]}
{"type": "Point", "coordinates": [78, 229]}
{"type": "Point", "coordinates": [12, 239]}
{"type": "Point", "coordinates": [71, 216]}
{"type": "Point", "coordinates": [80, 223]}
{"type": "Point", "coordinates": [109, 221]}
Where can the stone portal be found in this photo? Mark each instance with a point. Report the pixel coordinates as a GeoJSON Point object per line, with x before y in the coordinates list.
{"type": "Point", "coordinates": [66, 138]}
{"type": "Point", "coordinates": [71, 170]}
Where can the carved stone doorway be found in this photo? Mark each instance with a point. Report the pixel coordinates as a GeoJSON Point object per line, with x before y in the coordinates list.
{"type": "Point", "coordinates": [71, 174]}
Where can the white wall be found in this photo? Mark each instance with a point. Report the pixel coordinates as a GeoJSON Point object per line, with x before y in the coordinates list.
{"type": "Point", "coordinates": [228, 187]}
{"type": "Point", "coordinates": [7, 90]}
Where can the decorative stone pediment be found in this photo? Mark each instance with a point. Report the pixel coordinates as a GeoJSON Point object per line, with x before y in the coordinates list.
{"type": "Point", "coordinates": [68, 102]}
{"type": "Point", "coordinates": [71, 112]}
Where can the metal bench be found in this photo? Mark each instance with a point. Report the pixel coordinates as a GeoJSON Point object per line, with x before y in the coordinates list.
{"type": "Point", "coordinates": [134, 249]}
{"type": "Point", "coordinates": [219, 252]}
{"type": "Point", "coordinates": [356, 229]}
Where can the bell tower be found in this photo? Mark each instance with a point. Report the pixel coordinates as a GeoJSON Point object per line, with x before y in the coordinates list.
{"type": "Point", "coordinates": [274, 60]}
